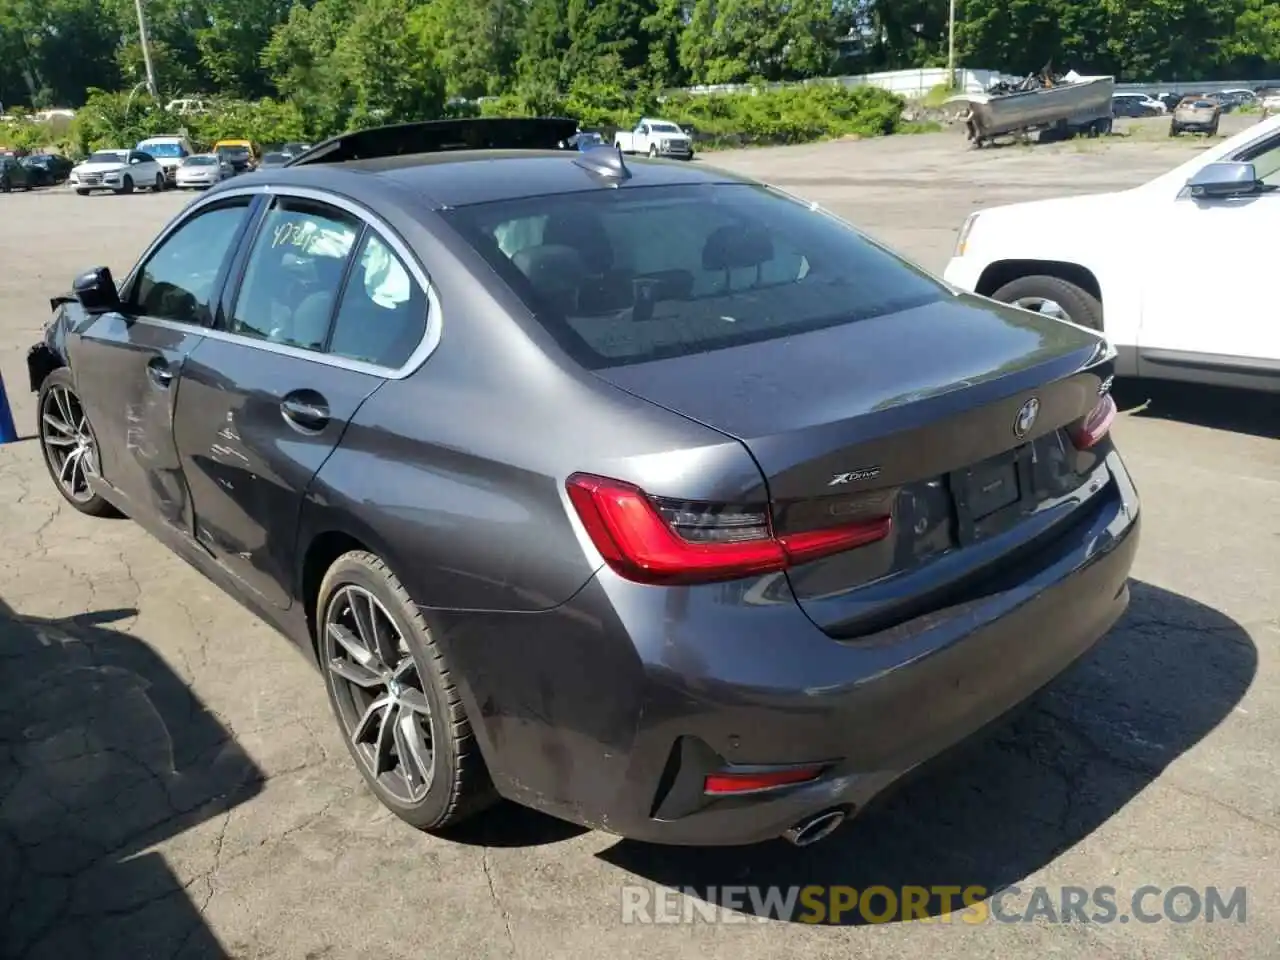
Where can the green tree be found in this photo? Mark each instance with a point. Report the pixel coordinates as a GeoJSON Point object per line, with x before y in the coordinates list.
{"type": "Point", "coordinates": [474, 43]}
{"type": "Point", "coordinates": [544, 43]}
{"type": "Point", "coordinates": [731, 41]}
{"type": "Point", "coordinates": [230, 42]}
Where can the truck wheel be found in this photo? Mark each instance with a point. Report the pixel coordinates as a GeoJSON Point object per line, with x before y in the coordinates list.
{"type": "Point", "coordinates": [1173, 130]}
{"type": "Point", "coordinates": [1053, 297]}
{"type": "Point", "coordinates": [653, 151]}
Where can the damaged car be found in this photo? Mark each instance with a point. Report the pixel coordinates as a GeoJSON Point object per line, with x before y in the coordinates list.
{"type": "Point", "coordinates": [640, 493]}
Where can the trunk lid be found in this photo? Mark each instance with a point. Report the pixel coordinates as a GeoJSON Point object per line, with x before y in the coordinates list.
{"type": "Point", "coordinates": [919, 415]}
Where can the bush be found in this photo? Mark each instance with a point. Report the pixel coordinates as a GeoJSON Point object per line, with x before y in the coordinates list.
{"type": "Point", "coordinates": [762, 116]}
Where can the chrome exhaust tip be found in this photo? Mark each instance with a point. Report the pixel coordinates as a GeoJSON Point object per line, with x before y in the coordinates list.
{"type": "Point", "coordinates": [815, 828]}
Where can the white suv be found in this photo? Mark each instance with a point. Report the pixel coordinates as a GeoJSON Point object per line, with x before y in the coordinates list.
{"type": "Point", "coordinates": [1104, 261]}
{"type": "Point", "coordinates": [121, 171]}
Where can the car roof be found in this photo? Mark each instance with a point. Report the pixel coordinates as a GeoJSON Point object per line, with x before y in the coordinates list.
{"type": "Point", "coordinates": [464, 177]}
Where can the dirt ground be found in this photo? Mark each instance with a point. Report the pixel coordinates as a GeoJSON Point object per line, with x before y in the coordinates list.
{"type": "Point", "coordinates": [172, 784]}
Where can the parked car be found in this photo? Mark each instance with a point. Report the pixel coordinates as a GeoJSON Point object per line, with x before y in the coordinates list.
{"type": "Point", "coordinates": [1170, 100]}
{"type": "Point", "coordinates": [47, 169]}
{"type": "Point", "coordinates": [586, 140]}
{"type": "Point", "coordinates": [1198, 115]}
{"type": "Point", "coordinates": [657, 138]}
{"type": "Point", "coordinates": [202, 170]}
{"type": "Point", "coordinates": [14, 174]}
{"type": "Point", "coordinates": [746, 518]}
{"type": "Point", "coordinates": [1235, 98]}
{"type": "Point", "coordinates": [1082, 267]}
{"type": "Point", "coordinates": [169, 152]}
{"type": "Point", "coordinates": [241, 154]}
{"type": "Point", "coordinates": [121, 171]}
{"type": "Point", "coordinates": [274, 159]}
{"type": "Point", "coordinates": [1136, 105]}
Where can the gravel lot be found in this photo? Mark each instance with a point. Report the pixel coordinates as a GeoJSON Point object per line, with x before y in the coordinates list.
{"type": "Point", "coordinates": [171, 782]}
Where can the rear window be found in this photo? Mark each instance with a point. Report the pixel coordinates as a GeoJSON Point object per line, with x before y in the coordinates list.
{"type": "Point", "coordinates": [637, 274]}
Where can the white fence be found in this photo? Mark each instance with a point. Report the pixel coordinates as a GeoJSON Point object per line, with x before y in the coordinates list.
{"type": "Point", "coordinates": [918, 82]}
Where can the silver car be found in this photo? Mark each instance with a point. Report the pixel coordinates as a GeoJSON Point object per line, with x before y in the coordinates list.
{"type": "Point", "coordinates": [202, 170]}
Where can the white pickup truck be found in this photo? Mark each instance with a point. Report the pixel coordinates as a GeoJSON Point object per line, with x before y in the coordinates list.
{"type": "Point", "coordinates": [657, 138]}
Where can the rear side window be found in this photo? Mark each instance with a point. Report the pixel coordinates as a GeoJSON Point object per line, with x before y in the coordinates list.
{"type": "Point", "coordinates": [638, 274]}
{"type": "Point", "coordinates": [383, 313]}
{"type": "Point", "coordinates": [294, 274]}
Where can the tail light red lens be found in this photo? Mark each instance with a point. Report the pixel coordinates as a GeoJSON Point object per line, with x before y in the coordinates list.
{"type": "Point", "coordinates": [1089, 431]}
{"type": "Point", "coordinates": [648, 540]}
{"type": "Point", "coordinates": [731, 782]}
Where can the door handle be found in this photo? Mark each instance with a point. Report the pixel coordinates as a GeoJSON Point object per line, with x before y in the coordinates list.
{"type": "Point", "coordinates": [309, 415]}
{"type": "Point", "coordinates": [159, 372]}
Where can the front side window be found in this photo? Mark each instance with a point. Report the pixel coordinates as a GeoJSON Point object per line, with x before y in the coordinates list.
{"type": "Point", "coordinates": [177, 282]}
{"type": "Point", "coordinates": [383, 312]}
{"type": "Point", "coordinates": [639, 274]}
{"type": "Point", "coordinates": [1265, 158]}
{"type": "Point", "coordinates": [294, 273]}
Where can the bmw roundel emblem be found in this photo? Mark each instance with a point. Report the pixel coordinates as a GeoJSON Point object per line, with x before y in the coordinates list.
{"type": "Point", "coordinates": [1026, 418]}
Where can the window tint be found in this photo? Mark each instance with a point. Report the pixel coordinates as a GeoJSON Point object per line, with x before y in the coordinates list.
{"type": "Point", "coordinates": [626, 276]}
{"type": "Point", "coordinates": [177, 282]}
{"type": "Point", "coordinates": [294, 273]}
{"type": "Point", "coordinates": [383, 312]}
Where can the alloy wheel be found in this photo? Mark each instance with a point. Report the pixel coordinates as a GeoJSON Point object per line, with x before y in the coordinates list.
{"type": "Point", "coordinates": [378, 691]}
{"type": "Point", "coordinates": [1050, 308]}
{"type": "Point", "coordinates": [69, 443]}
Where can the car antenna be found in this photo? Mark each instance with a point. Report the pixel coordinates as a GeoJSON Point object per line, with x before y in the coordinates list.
{"type": "Point", "coordinates": [603, 161]}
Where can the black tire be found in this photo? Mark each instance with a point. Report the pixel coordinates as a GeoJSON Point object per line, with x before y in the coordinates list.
{"type": "Point", "coordinates": [61, 380]}
{"type": "Point", "coordinates": [653, 151]}
{"type": "Point", "coordinates": [1079, 305]}
{"type": "Point", "coordinates": [82, 193]}
{"type": "Point", "coordinates": [127, 185]}
{"type": "Point", "coordinates": [1173, 130]}
{"type": "Point", "coordinates": [459, 785]}
{"type": "Point", "coordinates": [158, 186]}
{"type": "Point", "coordinates": [5, 185]}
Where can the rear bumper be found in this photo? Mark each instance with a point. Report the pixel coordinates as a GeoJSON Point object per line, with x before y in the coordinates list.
{"type": "Point", "coordinates": [610, 709]}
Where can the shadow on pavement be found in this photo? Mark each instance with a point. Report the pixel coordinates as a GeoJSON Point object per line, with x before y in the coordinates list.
{"type": "Point", "coordinates": [104, 752]}
{"type": "Point", "coordinates": [511, 825]}
{"type": "Point", "coordinates": [1220, 408]}
{"type": "Point", "coordinates": [1049, 776]}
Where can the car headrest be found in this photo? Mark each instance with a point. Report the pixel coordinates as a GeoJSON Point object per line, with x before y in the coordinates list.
{"type": "Point", "coordinates": [552, 269]}
{"type": "Point", "coordinates": [584, 233]}
{"type": "Point", "coordinates": [735, 247]}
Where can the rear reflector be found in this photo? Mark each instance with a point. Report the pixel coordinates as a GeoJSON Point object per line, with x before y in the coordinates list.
{"type": "Point", "coordinates": [1089, 431]}
{"type": "Point", "coordinates": [722, 784]}
{"type": "Point", "coordinates": [666, 542]}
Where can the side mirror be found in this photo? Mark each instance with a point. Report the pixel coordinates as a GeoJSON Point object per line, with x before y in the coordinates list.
{"type": "Point", "coordinates": [96, 290]}
{"type": "Point", "coordinates": [1224, 179]}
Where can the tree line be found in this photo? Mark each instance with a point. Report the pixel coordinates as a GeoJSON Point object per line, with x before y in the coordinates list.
{"type": "Point", "coordinates": [342, 61]}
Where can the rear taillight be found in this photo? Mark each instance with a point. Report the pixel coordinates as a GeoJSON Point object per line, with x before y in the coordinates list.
{"type": "Point", "coordinates": [650, 540]}
{"type": "Point", "coordinates": [1089, 431]}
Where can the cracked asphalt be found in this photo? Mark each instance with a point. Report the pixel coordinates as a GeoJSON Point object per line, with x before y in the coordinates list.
{"type": "Point", "coordinates": [172, 784]}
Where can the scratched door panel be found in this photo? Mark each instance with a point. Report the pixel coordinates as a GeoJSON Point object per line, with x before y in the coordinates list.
{"type": "Point", "coordinates": [247, 464]}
